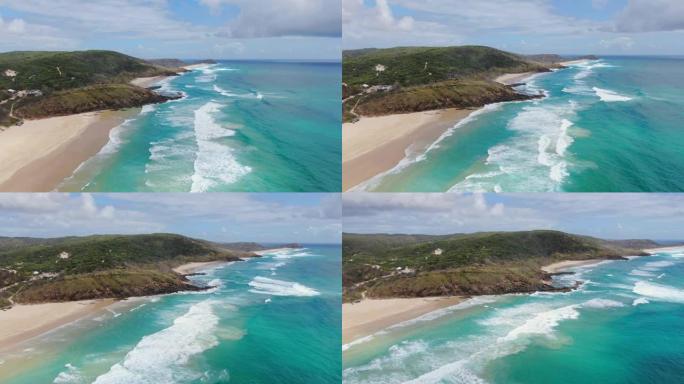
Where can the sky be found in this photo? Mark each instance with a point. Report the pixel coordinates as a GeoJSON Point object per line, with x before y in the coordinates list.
{"type": "Point", "coordinates": [230, 217]}
{"type": "Point", "coordinates": [610, 216]}
{"type": "Point", "coordinates": [604, 27]}
{"type": "Point", "coordinates": [185, 29]}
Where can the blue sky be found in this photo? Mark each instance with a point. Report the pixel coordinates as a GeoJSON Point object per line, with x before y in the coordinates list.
{"type": "Point", "coordinates": [624, 27]}
{"type": "Point", "coordinates": [222, 29]}
{"type": "Point", "coordinates": [611, 216]}
{"type": "Point", "coordinates": [267, 217]}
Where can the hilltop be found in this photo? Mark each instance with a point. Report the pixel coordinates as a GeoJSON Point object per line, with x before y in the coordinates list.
{"type": "Point", "coordinates": [382, 266]}
{"type": "Point", "coordinates": [39, 84]}
{"type": "Point", "coordinates": [413, 79]}
{"type": "Point", "coordinates": [104, 266]}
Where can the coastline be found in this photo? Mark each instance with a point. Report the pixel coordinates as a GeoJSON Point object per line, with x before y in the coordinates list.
{"type": "Point", "coordinates": [24, 322]}
{"type": "Point", "coordinates": [38, 155]}
{"type": "Point", "coordinates": [664, 249]}
{"type": "Point", "coordinates": [566, 264]}
{"type": "Point", "coordinates": [374, 145]}
{"type": "Point", "coordinates": [513, 78]}
{"type": "Point", "coordinates": [195, 267]}
{"type": "Point", "coordinates": [369, 316]}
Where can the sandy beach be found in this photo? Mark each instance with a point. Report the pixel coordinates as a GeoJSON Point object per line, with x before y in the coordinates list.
{"type": "Point", "coordinates": [369, 316]}
{"type": "Point", "coordinates": [23, 322]}
{"type": "Point", "coordinates": [38, 155]}
{"type": "Point", "coordinates": [374, 145]}
{"type": "Point", "coordinates": [563, 265]}
{"type": "Point", "coordinates": [513, 78]}
{"type": "Point", "coordinates": [146, 82]}
{"type": "Point", "coordinates": [197, 266]}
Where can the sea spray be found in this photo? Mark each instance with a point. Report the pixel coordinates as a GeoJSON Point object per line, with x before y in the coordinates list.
{"type": "Point", "coordinates": [215, 162]}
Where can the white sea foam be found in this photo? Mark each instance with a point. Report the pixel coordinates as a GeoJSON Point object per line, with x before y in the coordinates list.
{"type": "Point", "coordinates": [543, 323]}
{"type": "Point", "coordinates": [473, 302]}
{"type": "Point", "coordinates": [208, 74]}
{"type": "Point", "coordinates": [602, 303]}
{"type": "Point", "coordinates": [71, 375]}
{"type": "Point", "coordinates": [659, 292]}
{"type": "Point", "coordinates": [147, 108]}
{"type": "Point", "coordinates": [167, 352]}
{"type": "Point", "coordinates": [361, 340]}
{"type": "Point", "coordinates": [609, 96]}
{"type": "Point", "coordinates": [542, 130]}
{"type": "Point", "coordinates": [266, 286]}
{"type": "Point", "coordinates": [215, 162]}
{"type": "Point", "coordinates": [411, 157]}
{"type": "Point", "coordinates": [639, 272]}
{"type": "Point", "coordinates": [639, 301]}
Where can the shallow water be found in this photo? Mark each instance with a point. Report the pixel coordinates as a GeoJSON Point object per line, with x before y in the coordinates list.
{"type": "Point", "coordinates": [606, 125]}
{"type": "Point", "coordinates": [242, 126]}
{"type": "Point", "coordinates": [623, 326]}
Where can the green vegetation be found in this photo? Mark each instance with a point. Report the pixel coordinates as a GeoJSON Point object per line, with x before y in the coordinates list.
{"type": "Point", "coordinates": [409, 66]}
{"type": "Point", "coordinates": [91, 98]}
{"type": "Point", "coordinates": [75, 268]}
{"type": "Point", "coordinates": [446, 94]}
{"type": "Point", "coordinates": [54, 71]}
{"type": "Point", "coordinates": [411, 79]}
{"type": "Point", "coordinates": [40, 84]}
{"type": "Point", "coordinates": [460, 264]}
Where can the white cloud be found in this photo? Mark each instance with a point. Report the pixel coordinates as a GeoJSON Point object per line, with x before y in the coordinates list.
{"type": "Point", "coordinates": [219, 217]}
{"type": "Point", "coordinates": [656, 216]}
{"type": "Point", "coordinates": [622, 42]}
{"type": "Point", "coordinates": [282, 18]}
{"type": "Point", "coordinates": [651, 15]}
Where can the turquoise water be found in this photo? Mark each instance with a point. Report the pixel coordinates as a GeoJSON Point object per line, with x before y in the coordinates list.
{"type": "Point", "coordinates": [609, 125]}
{"type": "Point", "coordinates": [624, 325]}
{"type": "Point", "coordinates": [269, 320]}
{"type": "Point", "coordinates": [242, 126]}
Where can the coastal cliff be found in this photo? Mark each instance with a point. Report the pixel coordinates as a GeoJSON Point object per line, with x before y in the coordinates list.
{"type": "Point", "coordinates": [111, 266]}
{"type": "Point", "coordinates": [386, 266]}
{"type": "Point", "coordinates": [413, 79]}
{"type": "Point", "coordinates": [35, 84]}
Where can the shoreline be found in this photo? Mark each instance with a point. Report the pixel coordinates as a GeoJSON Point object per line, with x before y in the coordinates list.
{"type": "Point", "coordinates": [364, 318]}
{"type": "Point", "coordinates": [39, 154]}
{"type": "Point", "coordinates": [514, 78]}
{"type": "Point", "coordinates": [197, 266]}
{"type": "Point", "coordinates": [560, 266]}
{"type": "Point", "coordinates": [24, 322]}
{"type": "Point", "coordinates": [664, 249]}
{"type": "Point", "coordinates": [374, 145]}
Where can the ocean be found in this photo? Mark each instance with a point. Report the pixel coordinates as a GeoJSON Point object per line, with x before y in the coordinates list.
{"type": "Point", "coordinates": [608, 125]}
{"type": "Point", "coordinates": [624, 325]}
{"type": "Point", "coordinates": [270, 320]}
{"type": "Point", "coordinates": [242, 126]}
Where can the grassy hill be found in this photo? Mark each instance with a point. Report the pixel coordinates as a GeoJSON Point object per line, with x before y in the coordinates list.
{"type": "Point", "coordinates": [75, 268]}
{"type": "Point", "coordinates": [409, 66]}
{"type": "Point", "coordinates": [53, 71]}
{"type": "Point", "coordinates": [61, 83]}
{"type": "Point", "coordinates": [423, 78]}
{"type": "Point", "coordinates": [463, 264]}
